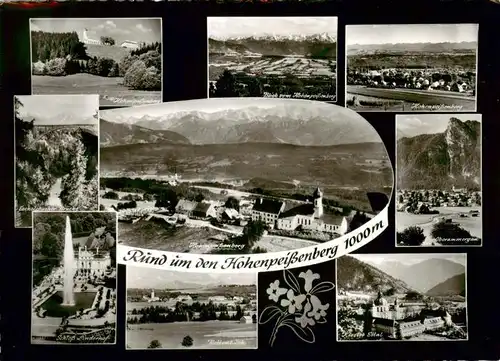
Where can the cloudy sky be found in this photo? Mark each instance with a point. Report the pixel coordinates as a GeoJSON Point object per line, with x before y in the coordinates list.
{"type": "Point", "coordinates": [140, 30]}
{"type": "Point", "coordinates": [410, 33]}
{"type": "Point", "coordinates": [59, 109]}
{"type": "Point", "coordinates": [142, 277]}
{"type": "Point", "coordinates": [231, 27]}
{"type": "Point", "coordinates": [416, 124]}
{"type": "Point", "coordinates": [410, 259]}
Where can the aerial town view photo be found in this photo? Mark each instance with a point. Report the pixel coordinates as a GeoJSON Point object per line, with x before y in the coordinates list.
{"type": "Point", "coordinates": [274, 57]}
{"type": "Point", "coordinates": [74, 278]}
{"type": "Point", "coordinates": [56, 154]}
{"type": "Point", "coordinates": [411, 67]}
{"type": "Point", "coordinates": [438, 180]}
{"type": "Point", "coordinates": [407, 297]}
{"type": "Point", "coordinates": [184, 310]}
{"type": "Point", "coordinates": [119, 59]}
{"type": "Point", "coordinates": [260, 175]}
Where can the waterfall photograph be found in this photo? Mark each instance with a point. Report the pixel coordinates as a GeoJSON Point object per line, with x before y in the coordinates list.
{"type": "Point", "coordinates": [74, 278]}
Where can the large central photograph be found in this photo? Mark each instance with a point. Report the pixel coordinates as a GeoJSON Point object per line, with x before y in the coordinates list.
{"type": "Point", "coordinates": [240, 175]}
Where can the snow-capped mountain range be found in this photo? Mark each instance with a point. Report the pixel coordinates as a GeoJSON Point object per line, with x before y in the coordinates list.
{"type": "Point", "coordinates": [60, 119]}
{"type": "Point", "coordinates": [323, 37]}
{"type": "Point", "coordinates": [318, 125]}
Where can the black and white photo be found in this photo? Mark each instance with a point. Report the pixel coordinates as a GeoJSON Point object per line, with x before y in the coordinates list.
{"type": "Point", "coordinates": [438, 180]}
{"type": "Point", "coordinates": [56, 154]}
{"type": "Point", "coordinates": [74, 278]}
{"type": "Point", "coordinates": [119, 59]}
{"type": "Point", "coordinates": [405, 297]}
{"type": "Point", "coordinates": [261, 175]}
{"type": "Point", "coordinates": [184, 310]}
{"type": "Point", "coordinates": [412, 67]}
{"type": "Point", "coordinates": [273, 57]}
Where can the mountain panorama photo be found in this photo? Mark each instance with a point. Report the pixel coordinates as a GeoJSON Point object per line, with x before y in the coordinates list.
{"type": "Point", "coordinates": [410, 297]}
{"type": "Point", "coordinates": [240, 175]}
{"type": "Point", "coordinates": [273, 57]}
{"type": "Point", "coordinates": [438, 180]}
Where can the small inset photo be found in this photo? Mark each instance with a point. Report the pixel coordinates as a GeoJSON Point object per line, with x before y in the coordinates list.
{"type": "Point", "coordinates": [273, 57]}
{"type": "Point", "coordinates": [185, 310]}
{"type": "Point", "coordinates": [119, 59]}
{"type": "Point", "coordinates": [402, 297]}
{"type": "Point", "coordinates": [56, 154]}
{"type": "Point", "coordinates": [438, 180]}
{"type": "Point", "coordinates": [411, 67]}
{"type": "Point", "coordinates": [74, 278]}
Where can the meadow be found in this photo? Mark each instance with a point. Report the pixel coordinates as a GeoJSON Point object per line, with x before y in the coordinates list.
{"type": "Point", "coordinates": [205, 335]}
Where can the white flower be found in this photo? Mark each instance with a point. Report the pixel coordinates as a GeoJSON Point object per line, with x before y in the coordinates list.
{"type": "Point", "coordinates": [293, 302]}
{"type": "Point", "coordinates": [318, 309]}
{"type": "Point", "coordinates": [308, 277]}
{"type": "Point", "coordinates": [304, 320]}
{"type": "Point", "coordinates": [275, 291]}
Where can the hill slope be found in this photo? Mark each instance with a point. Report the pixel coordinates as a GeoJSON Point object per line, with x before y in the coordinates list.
{"type": "Point", "coordinates": [114, 52]}
{"type": "Point", "coordinates": [441, 160]}
{"type": "Point", "coordinates": [451, 287]}
{"type": "Point", "coordinates": [112, 134]}
{"type": "Point", "coordinates": [423, 276]}
{"type": "Point", "coordinates": [353, 274]}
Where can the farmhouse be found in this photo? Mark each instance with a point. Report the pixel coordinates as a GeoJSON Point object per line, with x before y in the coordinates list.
{"type": "Point", "coordinates": [204, 211]}
{"type": "Point", "coordinates": [267, 210]}
{"type": "Point", "coordinates": [312, 217]}
{"type": "Point", "coordinates": [230, 214]}
{"type": "Point", "coordinates": [217, 298]}
{"type": "Point", "coordinates": [185, 207]}
{"type": "Point", "coordinates": [130, 44]}
{"type": "Point", "coordinates": [246, 319]}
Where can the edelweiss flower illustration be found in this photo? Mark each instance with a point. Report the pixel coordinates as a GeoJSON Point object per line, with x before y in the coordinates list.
{"type": "Point", "coordinates": [293, 302]}
{"type": "Point", "coordinates": [301, 309]}
{"type": "Point", "coordinates": [274, 291]}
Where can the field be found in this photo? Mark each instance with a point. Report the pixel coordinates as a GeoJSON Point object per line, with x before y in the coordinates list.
{"type": "Point", "coordinates": [377, 98]}
{"type": "Point", "coordinates": [471, 224]}
{"type": "Point", "coordinates": [55, 309]}
{"type": "Point", "coordinates": [111, 90]}
{"type": "Point", "coordinates": [293, 74]}
{"type": "Point", "coordinates": [209, 335]}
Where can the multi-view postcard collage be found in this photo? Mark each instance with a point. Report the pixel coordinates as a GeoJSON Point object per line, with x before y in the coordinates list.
{"type": "Point", "coordinates": [269, 164]}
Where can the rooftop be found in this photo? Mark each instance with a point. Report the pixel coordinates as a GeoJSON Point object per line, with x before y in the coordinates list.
{"type": "Point", "coordinates": [268, 205]}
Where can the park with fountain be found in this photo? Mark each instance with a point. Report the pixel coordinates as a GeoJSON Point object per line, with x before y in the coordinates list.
{"type": "Point", "coordinates": [69, 299]}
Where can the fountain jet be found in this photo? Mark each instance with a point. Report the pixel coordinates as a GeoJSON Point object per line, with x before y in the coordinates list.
{"type": "Point", "coordinates": [69, 266]}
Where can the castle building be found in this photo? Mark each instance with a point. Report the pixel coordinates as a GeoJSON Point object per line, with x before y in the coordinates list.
{"type": "Point", "coordinates": [389, 319]}
{"type": "Point", "coordinates": [92, 262]}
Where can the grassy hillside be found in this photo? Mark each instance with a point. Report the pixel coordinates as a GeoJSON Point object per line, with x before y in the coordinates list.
{"type": "Point", "coordinates": [353, 274]}
{"type": "Point", "coordinates": [114, 52]}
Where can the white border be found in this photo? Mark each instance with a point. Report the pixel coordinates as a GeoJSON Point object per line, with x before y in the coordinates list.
{"type": "Point", "coordinates": [98, 131]}
{"type": "Point", "coordinates": [129, 269]}
{"type": "Point", "coordinates": [334, 101]}
{"type": "Point", "coordinates": [116, 273]}
{"type": "Point", "coordinates": [465, 111]}
{"type": "Point", "coordinates": [462, 117]}
{"type": "Point", "coordinates": [410, 340]}
{"type": "Point", "coordinates": [70, 18]}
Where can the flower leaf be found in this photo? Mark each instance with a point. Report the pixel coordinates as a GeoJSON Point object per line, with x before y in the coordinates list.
{"type": "Point", "coordinates": [291, 280]}
{"type": "Point", "coordinates": [321, 287]}
{"type": "Point", "coordinates": [305, 334]}
{"type": "Point", "coordinates": [321, 320]}
{"type": "Point", "coordinates": [269, 313]}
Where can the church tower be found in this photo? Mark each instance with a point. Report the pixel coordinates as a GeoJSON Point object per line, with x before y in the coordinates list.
{"type": "Point", "coordinates": [318, 203]}
{"type": "Point", "coordinates": [152, 294]}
